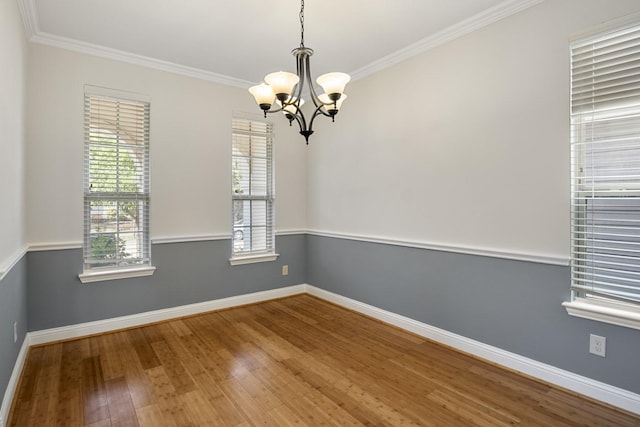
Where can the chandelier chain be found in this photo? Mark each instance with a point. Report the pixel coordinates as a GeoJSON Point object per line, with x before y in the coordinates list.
{"type": "Point", "coordinates": [302, 23]}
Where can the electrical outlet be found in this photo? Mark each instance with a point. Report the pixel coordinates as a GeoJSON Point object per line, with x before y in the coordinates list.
{"type": "Point", "coordinates": [15, 332]}
{"type": "Point", "coordinates": [597, 345]}
{"type": "Point", "coordinates": [285, 270]}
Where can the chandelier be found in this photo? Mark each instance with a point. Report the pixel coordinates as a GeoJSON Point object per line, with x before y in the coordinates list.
{"type": "Point", "coordinates": [285, 90]}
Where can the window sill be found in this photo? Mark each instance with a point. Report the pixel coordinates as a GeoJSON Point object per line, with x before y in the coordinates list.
{"type": "Point", "coordinates": [123, 273]}
{"type": "Point", "coordinates": [251, 259]}
{"type": "Point", "coordinates": [620, 314]}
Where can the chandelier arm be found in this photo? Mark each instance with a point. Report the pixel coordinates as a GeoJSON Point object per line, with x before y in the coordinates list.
{"type": "Point", "coordinates": [312, 91]}
{"type": "Point", "coordinates": [320, 111]}
{"type": "Point", "coordinates": [299, 116]}
{"type": "Point", "coordinates": [316, 113]}
{"type": "Point", "coordinates": [291, 117]}
{"type": "Point", "coordinates": [269, 111]}
{"type": "Point", "coordinates": [314, 96]}
{"type": "Point", "coordinates": [302, 125]}
{"type": "Point", "coordinates": [302, 121]}
{"type": "Point", "coordinates": [300, 71]}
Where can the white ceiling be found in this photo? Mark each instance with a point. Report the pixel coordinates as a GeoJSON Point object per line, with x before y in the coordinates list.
{"type": "Point", "coordinates": [238, 42]}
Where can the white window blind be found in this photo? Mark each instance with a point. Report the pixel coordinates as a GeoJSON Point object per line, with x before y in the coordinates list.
{"type": "Point", "coordinates": [605, 114]}
{"type": "Point", "coordinates": [116, 183]}
{"type": "Point", "coordinates": [252, 187]}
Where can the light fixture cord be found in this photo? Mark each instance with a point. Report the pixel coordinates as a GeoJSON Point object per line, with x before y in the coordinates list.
{"type": "Point", "coordinates": [302, 23]}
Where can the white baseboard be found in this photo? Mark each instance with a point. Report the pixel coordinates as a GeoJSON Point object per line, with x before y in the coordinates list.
{"type": "Point", "coordinates": [597, 390]}
{"type": "Point", "coordinates": [107, 325]}
{"type": "Point", "coordinates": [13, 381]}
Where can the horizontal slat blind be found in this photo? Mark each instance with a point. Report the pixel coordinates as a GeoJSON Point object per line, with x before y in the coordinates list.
{"type": "Point", "coordinates": [605, 113]}
{"type": "Point", "coordinates": [252, 187]}
{"type": "Point", "coordinates": [116, 182]}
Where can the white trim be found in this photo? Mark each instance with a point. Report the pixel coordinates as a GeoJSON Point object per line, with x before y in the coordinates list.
{"type": "Point", "coordinates": [290, 232]}
{"type": "Point", "coordinates": [91, 90]}
{"type": "Point", "coordinates": [469, 250]}
{"type": "Point", "coordinates": [115, 274]}
{"type": "Point", "coordinates": [11, 262]}
{"type": "Point", "coordinates": [252, 259]}
{"type": "Point", "coordinates": [13, 381]}
{"type": "Point", "coordinates": [210, 237]}
{"type": "Point", "coordinates": [34, 247]}
{"type": "Point", "coordinates": [594, 389]}
{"type": "Point", "coordinates": [482, 19]}
{"type": "Point", "coordinates": [613, 25]}
{"type": "Point", "coordinates": [39, 247]}
{"type": "Point", "coordinates": [29, 17]}
{"type": "Point", "coordinates": [627, 315]}
{"type": "Point", "coordinates": [246, 115]}
{"type": "Point", "coordinates": [597, 390]}
{"type": "Point", "coordinates": [107, 325]}
{"type": "Point", "coordinates": [185, 239]}
{"type": "Point", "coordinates": [131, 58]}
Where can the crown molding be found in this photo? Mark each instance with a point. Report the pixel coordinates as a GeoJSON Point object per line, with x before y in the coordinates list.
{"type": "Point", "coordinates": [487, 17]}
{"type": "Point", "coordinates": [482, 19]}
{"type": "Point", "coordinates": [29, 14]}
{"type": "Point", "coordinates": [132, 58]}
{"type": "Point", "coordinates": [29, 17]}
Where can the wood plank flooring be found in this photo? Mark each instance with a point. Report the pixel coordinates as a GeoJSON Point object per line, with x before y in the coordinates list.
{"type": "Point", "coordinates": [297, 361]}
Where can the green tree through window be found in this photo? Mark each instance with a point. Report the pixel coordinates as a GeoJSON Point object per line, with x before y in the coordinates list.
{"type": "Point", "coordinates": [116, 183]}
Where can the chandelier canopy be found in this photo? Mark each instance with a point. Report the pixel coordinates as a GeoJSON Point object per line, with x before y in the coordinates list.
{"type": "Point", "coordinates": [284, 89]}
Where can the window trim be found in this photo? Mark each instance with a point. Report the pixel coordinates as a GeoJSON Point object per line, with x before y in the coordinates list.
{"type": "Point", "coordinates": [99, 274]}
{"type": "Point", "coordinates": [91, 276]}
{"type": "Point", "coordinates": [621, 314]}
{"type": "Point", "coordinates": [253, 258]}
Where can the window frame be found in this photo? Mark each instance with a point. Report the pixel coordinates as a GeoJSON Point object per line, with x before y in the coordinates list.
{"type": "Point", "coordinates": [249, 126]}
{"type": "Point", "coordinates": [601, 303]}
{"type": "Point", "coordinates": [92, 272]}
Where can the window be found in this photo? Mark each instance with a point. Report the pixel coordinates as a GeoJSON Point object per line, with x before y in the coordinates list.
{"type": "Point", "coordinates": [605, 210]}
{"type": "Point", "coordinates": [252, 191]}
{"type": "Point", "coordinates": [116, 186]}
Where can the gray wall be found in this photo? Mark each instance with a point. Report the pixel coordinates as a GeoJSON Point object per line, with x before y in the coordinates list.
{"type": "Point", "coordinates": [185, 273]}
{"type": "Point", "coordinates": [513, 305]}
{"type": "Point", "coordinates": [13, 307]}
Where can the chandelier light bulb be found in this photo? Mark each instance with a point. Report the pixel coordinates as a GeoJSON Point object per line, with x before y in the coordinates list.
{"type": "Point", "coordinates": [332, 107]}
{"type": "Point", "coordinates": [333, 83]}
{"type": "Point", "coordinates": [263, 94]}
{"type": "Point", "coordinates": [282, 83]}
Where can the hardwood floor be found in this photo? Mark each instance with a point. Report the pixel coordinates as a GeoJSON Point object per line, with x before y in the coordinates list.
{"type": "Point", "coordinates": [296, 361]}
